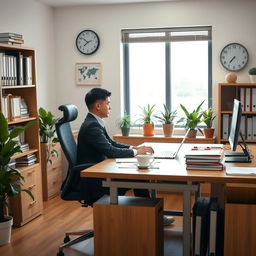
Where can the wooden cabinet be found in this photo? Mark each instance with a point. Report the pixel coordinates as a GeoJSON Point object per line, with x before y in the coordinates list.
{"type": "Point", "coordinates": [51, 172]}
{"type": "Point", "coordinates": [14, 61]}
{"type": "Point", "coordinates": [136, 140]}
{"type": "Point", "coordinates": [226, 95]}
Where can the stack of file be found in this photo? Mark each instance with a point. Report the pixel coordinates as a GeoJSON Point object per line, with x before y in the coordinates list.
{"type": "Point", "coordinates": [26, 160]}
{"type": "Point", "coordinates": [24, 147]}
{"type": "Point", "coordinates": [207, 158]}
{"type": "Point", "coordinates": [11, 38]}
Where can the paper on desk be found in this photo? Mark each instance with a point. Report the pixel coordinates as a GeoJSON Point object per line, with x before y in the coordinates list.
{"type": "Point", "coordinates": [135, 166]}
{"type": "Point", "coordinates": [126, 160]}
{"type": "Point", "coordinates": [241, 170]}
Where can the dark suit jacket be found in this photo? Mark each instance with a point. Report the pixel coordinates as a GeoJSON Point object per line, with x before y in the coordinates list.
{"type": "Point", "coordinates": [93, 146]}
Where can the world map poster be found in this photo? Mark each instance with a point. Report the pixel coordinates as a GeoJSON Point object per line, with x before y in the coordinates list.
{"type": "Point", "coordinates": [88, 73]}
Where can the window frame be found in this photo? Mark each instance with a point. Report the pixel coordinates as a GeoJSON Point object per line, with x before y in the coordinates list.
{"type": "Point", "coordinates": [126, 65]}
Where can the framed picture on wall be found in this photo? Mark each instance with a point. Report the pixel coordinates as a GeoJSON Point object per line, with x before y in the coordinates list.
{"type": "Point", "coordinates": [88, 73]}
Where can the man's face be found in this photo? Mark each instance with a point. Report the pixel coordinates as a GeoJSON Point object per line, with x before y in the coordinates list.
{"type": "Point", "coordinates": [103, 107]}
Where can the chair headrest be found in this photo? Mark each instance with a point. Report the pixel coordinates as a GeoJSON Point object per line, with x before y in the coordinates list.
{"type": "Point", "coordinates": [69, 113]}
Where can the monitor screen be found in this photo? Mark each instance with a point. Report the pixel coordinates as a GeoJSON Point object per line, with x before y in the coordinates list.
{"type": "Point", "coordinates": [235, 125]}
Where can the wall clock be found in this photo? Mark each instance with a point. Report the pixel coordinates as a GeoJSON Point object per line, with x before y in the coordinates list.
{"type": "Point", "coordinates": [87, 42]}
{"type": "Point", "coordinates": [234, 57]}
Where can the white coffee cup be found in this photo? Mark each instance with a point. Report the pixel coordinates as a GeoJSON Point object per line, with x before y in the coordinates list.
{"type": "Point", "coordinates": [145, 160]}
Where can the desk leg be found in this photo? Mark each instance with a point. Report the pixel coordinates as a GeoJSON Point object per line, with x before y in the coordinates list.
{"type": "Point", "coordinates": [218, 190]}
{"type": "Point", "coordinates": [186, 223]}
{"type": "Point", "coordinates": [113, 194]}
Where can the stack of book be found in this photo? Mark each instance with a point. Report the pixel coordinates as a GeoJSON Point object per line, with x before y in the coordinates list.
{"type": "Point", "coordinates": [27, 160]}
{"type": "Point", "coordinates": [207, 158]}
{"type": "Point", "coordinates": [11, 38]}
{"type": "Point", "coordinates": [24, 147]}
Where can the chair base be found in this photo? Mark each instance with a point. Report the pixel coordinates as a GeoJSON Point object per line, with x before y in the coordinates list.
{"type": "Point", "coordinates": [83, 235]}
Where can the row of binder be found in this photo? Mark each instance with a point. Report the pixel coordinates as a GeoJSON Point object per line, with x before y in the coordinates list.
{"type": "Point", "coordinates": [15, 69]}
{"type": "Point", "coordinates": [248, 99]}
{"type": "Point", "coordinates": [208, 227]}
{"type": "Point", "coordinates": [247, 127]}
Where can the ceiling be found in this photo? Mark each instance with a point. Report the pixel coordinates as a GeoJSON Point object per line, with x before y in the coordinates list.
{"type": "Point", "coordinates": [56, 3]}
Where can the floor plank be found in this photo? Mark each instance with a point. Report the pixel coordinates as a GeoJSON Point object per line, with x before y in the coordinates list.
{"type": "Point", "coordinates": [42, 236]}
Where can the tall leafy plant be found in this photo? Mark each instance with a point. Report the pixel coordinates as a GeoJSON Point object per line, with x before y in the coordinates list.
{"type": "Point", "coordinates": [166, 116]}
{"type": "Point", "coordinates": [47, 123]}
{"type": "Point", "coordinates": [208, 117]}
{"type": "Point", "coordinates": [10, 178]}
{"type": "Point", "coordinates": [147, 116]}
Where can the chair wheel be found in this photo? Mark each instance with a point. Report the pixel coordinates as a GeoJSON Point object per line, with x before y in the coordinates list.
{"type": "Point", "coordinates": [66, 239]}
{"type": "Point", "coordinates": [60, 253]}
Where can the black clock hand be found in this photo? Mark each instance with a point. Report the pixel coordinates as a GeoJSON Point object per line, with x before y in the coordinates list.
{"type": "Point", "coordinates": [87, 42]}
{"type": "Point", "coordinates": [232, 59]}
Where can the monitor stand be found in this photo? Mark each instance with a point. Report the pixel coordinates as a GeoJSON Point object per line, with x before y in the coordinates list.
{"type": "Point", "coordinates": [239, 157]}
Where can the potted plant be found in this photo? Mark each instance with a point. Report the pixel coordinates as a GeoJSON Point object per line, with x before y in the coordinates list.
{"type": "Point", "coordinates": [10, 178]}
{"type": "Point", "coordinates": [208, 117]}
{"type": "Point", "coordinates": [147, 118]}
{"type": "Point", "coordinates": [48, 136]}
{"type": "Point", "coordinates": [192, 120]}
{"type": "Point", "coordinates": [125, 124]}
{"type": "Point", "coordinates": [167, 118]}
{"type": "Point", "coordinates": [252, 73]}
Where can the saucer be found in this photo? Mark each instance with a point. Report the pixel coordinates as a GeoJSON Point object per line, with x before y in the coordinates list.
{"type": "Point", "coordinates": [143, 167]}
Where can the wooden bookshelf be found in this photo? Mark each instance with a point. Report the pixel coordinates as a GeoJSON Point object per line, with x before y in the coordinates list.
{"type": "Point", "coordinates": [22, 207]}
{"type": "Point", "coordinates": [227, 92]}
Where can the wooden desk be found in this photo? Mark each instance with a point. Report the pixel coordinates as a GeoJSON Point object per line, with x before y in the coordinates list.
{"type": "Point", "coordinates": [169, 171]}
{"type": "Point", "coordinates": [137, 139]}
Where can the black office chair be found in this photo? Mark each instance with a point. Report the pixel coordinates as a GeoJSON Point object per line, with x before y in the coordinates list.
{"type": "Point", "coordinates": [73, 187]}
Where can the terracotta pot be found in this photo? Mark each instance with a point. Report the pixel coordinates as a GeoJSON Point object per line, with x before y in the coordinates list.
{"type": "Point", "coordinates": [168, 130]}
{"type": "Point", "coordinates": [192, 133]}
{"type": "Point", "coordinates": [6, 230]}
{"type": "Point", "coordinates": [125, 131]}
{"type": "Point", "coordinates": [208, 132]}
{"type": "Point", "coordinates": [148, 130]}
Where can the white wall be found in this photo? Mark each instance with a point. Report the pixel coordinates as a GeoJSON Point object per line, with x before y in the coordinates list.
{"type": "Point", "coordinates": [35, 22]}
{"type": "Point", "coordinates": [232, 21]}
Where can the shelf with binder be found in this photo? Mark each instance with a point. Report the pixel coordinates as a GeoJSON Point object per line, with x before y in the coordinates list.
{"type": "Point", "coordinates": [18, 82]}
{"type": "Point", "coordinates": [246, 93]}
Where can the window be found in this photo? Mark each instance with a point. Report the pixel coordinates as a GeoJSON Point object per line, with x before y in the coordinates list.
{"type": "Point", "coordinates": [167, 66]}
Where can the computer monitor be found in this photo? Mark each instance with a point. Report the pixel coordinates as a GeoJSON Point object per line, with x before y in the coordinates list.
{"type": "Point", "coordinates": [234, 135]}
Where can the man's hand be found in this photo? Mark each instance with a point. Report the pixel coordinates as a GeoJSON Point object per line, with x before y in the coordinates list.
{"type": "Point", "coordinates": [143, 150]}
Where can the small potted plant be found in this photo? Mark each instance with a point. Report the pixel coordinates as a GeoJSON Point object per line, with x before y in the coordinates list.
{"type": "Point", "coordinates": [207, 118]}
{"type": "Point", "coordinates": [10, 178]}
{"type": "Point", "coordinates": [252, 73]}
{"type": "Point", "coordinates": [125, 124]}
{"type": "Point", "coordinates": [166, 118]}
{"type": "Point", "coordinates": [192, 120]}
{"type": "Point", "coordinates": [48, 136]}
{"type": "Point", "coordinates": [147, 118]}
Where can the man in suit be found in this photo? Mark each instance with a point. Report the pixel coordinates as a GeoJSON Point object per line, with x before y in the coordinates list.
{"type": "Point", "coordinates": [94, 144]}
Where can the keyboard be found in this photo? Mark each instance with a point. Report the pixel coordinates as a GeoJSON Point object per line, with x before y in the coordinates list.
{"type": "Point", "coordinates": [164, 154]}
{"type": "Point", "coordinates": [240, 170]}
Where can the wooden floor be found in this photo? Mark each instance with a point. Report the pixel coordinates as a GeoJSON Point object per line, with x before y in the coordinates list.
{"type": "Point", "coordinates": [42, 236]}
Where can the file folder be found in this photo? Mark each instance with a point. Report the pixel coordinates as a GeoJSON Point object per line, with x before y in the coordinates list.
{"type": "Point", "coordinates": [201, 226]}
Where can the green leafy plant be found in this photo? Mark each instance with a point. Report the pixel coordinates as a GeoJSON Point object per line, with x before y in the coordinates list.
{"type": "Point", "coordinates": [10, 178]}
{"type": "Point", "coordinates": [167, 116]}
{"type": "Point", "coordinates": [47, 132]}
{"type": "Point", "coordinates": [207, 117]}
{"type": "Point", "coordinates": [192, 119]}
{"type": "Point", "coordinates": [125, 121]}
{"type": "Point", "coordinates": [252, 71]}
{"type": "Point", "coordinates": [147, 116]}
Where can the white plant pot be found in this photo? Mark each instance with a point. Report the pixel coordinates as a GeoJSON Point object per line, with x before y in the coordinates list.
{"type": "Point", "coordinates": [253, 79]}
{"type": "Point", "coordinates": [6, 230]}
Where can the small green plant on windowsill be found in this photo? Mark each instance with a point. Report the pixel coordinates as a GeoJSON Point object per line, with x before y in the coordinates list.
{"type": "Point", "coordinates": [48, 136]}
{"type": "Point", "coordinates": [125, 124]}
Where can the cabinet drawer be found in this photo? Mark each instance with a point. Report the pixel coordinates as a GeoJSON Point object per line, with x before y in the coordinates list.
{"type": "Point", "coordinates": [53, 182]}
{"type": "Point", "coordinates": [32, 182]}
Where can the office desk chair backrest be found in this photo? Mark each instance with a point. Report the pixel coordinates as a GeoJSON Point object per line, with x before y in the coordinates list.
{"type": "Point", "coordinates": [73, 187]}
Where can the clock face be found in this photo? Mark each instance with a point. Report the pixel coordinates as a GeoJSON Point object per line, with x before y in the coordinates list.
{"type": "Point", "coordinates": [234, 57]}
{"type": "Point", "coordinates": [87, 42]}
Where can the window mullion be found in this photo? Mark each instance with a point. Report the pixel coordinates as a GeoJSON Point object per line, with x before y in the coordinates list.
{"type": "Point", "coordinates": [168, 75]}
{"type": "Point", "coordinates": [126, 79]}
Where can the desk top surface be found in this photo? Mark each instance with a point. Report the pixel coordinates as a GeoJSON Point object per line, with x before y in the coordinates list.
{"type": "Point", "coordinates": [169, 169]}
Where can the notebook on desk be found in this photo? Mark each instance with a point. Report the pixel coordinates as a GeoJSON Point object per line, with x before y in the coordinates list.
{"type": "Point", "coordinates": [166, 154]}
{"type": "Point", "coordinates": [241, 170]}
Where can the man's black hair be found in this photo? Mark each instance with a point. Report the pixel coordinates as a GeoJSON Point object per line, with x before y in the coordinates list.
{"type": "Point", "coordinates": [96, 94]}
